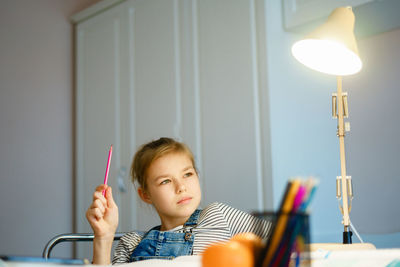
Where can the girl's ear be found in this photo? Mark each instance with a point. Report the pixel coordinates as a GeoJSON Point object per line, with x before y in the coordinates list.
{"type": "Point", "coordinates": [144, 195]}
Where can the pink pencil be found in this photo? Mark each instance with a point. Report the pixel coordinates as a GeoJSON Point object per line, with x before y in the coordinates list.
{"type": "Point", "coordinates": [108, 168]}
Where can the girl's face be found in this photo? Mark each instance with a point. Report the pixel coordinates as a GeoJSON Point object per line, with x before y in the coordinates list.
{"type": "Point", "coordinates": [173, 189]}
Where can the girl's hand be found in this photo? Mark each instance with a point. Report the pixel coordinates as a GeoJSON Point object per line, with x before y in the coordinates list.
{"type": "Point", "coordinates": [102, 214]}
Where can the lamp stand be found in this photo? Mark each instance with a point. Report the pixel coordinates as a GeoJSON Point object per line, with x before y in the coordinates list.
{"type": "Point", "coordinates": [341, 108]}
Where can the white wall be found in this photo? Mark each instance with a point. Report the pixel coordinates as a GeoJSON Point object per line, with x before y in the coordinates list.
{"type": "Point", "coordinates": [36, 134]}
{"type": "Point", "coordinates": [303, 134]}
{"type": "Point", "coordinates": [373, 144]}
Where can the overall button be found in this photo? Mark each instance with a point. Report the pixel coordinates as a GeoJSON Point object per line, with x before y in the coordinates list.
{"type": "Point", "coordinates": [188, 236]}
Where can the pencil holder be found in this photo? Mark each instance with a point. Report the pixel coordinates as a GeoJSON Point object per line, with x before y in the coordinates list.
{"type": "Point", "coordinates": [286, 245]}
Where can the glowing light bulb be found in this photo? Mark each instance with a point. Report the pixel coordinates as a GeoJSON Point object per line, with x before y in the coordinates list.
{"type": "Point", "coordinates": [327, 56]}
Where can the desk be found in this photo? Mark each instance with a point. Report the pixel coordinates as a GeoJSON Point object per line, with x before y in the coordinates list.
{"type": "Point", "coordinates": [356, 258]}
{"type": "Point", "coordinates": [183, 261]}
{"type": "Point", "coordinates": [319, 258]}
{"type": "Point", "coordinates": [338, 246]}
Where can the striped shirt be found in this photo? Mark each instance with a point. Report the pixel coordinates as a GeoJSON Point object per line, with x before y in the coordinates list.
{"type": "Point", "coordinates": [217, 222]}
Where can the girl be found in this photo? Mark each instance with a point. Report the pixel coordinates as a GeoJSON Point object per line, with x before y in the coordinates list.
{"type": "Point", "coordinates": [167, 179]}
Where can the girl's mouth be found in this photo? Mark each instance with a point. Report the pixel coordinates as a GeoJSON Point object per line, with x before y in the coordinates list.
{"type": "Point", "coordinates": [185, 200]}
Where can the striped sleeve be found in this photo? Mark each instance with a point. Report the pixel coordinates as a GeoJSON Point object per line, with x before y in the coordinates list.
{"type": "Point", "coordinates": [219, 222]}
{"type": "Point", "coordinates": [211, 228]}
{"type": "Point", "coordinates": [125, 247]}
{"type": "Point", "coordinates": [241, 222]}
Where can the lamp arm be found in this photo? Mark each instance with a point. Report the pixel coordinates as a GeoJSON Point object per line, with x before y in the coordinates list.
{"type": "Point", "coordinates": [341, 135]}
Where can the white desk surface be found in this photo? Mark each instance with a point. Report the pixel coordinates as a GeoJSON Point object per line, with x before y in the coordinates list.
{"type": "Point", "coordinates": [356, 258]}
{"type": "Point", "coordinates": [319, 258]}
{"type": "Point", "coordinates": [183, 261]}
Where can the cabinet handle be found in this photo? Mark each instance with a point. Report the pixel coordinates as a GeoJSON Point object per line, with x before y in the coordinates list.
{"type": "Point", "coordinates": [120, 179]}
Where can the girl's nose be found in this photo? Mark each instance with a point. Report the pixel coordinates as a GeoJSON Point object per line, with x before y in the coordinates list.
{"type": "Point", "coordinates": [180, 187]}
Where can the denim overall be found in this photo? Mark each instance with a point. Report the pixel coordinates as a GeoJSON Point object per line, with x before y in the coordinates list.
{"type": "Point", "coordinates": [157, 244]}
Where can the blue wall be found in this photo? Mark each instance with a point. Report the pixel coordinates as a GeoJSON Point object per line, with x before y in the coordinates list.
{"type": "Point", "coordinates": [304, 141]}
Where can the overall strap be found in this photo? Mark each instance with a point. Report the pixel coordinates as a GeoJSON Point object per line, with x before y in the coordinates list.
{"type": "Point", "coordinates": [192, 221]}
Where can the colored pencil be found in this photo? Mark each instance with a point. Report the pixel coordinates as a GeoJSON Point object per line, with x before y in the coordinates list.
{"type": "Point", "coordinates": [107, 168]}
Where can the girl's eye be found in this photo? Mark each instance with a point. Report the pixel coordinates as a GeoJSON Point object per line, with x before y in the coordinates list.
{"type": "Point", "coordinates": [165, 181]}
{"type": "Point", "coordinates": [188, 174]}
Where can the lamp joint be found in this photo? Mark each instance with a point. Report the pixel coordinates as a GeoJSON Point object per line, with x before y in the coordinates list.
{"type": "Point", "coordinates": [344, 105]}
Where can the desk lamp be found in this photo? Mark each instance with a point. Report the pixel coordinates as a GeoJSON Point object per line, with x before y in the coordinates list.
{"type": "Point", "coordinates": [332, 49]}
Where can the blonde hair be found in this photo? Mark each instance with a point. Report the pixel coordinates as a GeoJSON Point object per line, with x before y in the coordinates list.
{"type": "Point", "coordinates": [152, 151]}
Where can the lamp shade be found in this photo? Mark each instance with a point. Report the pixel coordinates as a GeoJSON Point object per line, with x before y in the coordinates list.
{"type": "Point", "coordinates": [332, 47]}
